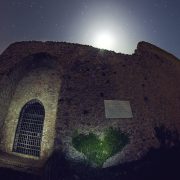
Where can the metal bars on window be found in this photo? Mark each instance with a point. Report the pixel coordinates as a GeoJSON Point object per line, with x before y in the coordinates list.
{"type": "Point", "coordinates": [29, 129]}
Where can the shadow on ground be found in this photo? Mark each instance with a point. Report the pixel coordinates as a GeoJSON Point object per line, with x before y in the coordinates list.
{"type": "Point", "coordinates": [157, 164]}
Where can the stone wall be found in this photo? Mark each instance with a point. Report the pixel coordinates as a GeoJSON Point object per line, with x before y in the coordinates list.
{"type": "Point", "coordinates": [148, 79]}
{"type": "Point", "coordinates": [30, 81]}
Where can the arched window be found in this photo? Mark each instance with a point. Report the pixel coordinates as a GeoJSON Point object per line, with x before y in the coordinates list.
{"type": "Point", "coordinates": [29, 129]}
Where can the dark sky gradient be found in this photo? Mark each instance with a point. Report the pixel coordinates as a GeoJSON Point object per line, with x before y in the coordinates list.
{"type": "Point", "coordinates": [82, 21]}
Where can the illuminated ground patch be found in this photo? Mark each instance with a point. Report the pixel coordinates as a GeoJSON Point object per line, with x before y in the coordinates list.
{"type": "Point", "coordinates": [98, 149]}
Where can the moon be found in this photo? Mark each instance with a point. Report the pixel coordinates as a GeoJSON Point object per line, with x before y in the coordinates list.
{"type": "Point", "coordinates": [104, 40]}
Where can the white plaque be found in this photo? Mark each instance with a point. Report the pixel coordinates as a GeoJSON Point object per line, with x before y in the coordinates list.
{"type": "Point", "coordinates": [117, 109]}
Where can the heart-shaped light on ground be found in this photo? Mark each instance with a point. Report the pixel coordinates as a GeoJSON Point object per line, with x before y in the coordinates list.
{"type": "Point", "coordinates": [98, 149]}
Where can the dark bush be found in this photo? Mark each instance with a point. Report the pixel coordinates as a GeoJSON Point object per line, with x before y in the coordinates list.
{"type": "Point", "coordinates": [167, 137]}
{"type": "Point", "coordinates": [56, 167]}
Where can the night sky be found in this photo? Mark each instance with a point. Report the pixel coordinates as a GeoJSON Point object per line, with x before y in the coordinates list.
{"type": "Point", "coordinates": [116, 25]}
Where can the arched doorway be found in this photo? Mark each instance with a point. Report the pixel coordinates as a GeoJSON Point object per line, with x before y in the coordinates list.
{"type": "Point", "coordinates": [29, 129]}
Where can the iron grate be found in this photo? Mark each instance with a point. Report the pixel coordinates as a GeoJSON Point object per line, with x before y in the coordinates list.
{"type": "Point", "coordinates": [29, 129]}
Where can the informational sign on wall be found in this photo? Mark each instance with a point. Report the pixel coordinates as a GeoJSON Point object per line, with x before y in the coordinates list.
{"type": "Point", "coordinates": [117, 109]}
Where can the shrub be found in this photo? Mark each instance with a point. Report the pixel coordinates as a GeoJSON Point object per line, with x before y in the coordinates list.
{"type": "Point", "coordinates": [167, 137]}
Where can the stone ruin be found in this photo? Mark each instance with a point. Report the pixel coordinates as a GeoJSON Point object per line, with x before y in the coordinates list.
{"type": "Point", "coordinates": [50, 91]}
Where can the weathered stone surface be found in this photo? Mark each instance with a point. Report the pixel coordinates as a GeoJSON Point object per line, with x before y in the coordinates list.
{"type": "Point", "coordinates": [72, 81]}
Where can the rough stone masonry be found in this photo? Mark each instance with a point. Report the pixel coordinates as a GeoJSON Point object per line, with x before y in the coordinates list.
{"type": "Point", "coordinates": [86, 89]}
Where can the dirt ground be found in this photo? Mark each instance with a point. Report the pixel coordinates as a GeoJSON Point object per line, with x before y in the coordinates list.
{"type": "Point", "coordinates": [158, 164]}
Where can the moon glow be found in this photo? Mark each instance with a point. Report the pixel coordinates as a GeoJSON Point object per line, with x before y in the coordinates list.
{"type": "Point", "coordinates": [104, 40]}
